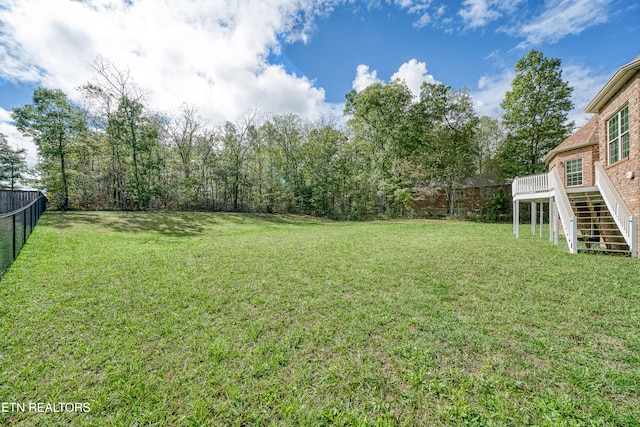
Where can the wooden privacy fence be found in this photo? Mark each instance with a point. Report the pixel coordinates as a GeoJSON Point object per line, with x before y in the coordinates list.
{"type": "Point", "coordinates": [19, 214]}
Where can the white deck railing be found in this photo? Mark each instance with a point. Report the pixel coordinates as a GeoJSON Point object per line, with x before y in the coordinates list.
{"type": "Point", "coordinates": [530, 184]}
{"type": "Point", "coordinates": [626, 222]}
{"type": "Point", "coordinates": [568, 218]}
{"type": "Point", "coordinates": [532, 187]}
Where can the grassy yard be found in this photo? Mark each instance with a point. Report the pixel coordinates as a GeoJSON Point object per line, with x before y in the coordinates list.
{"type": "Point", "coordinates": [172, 319]}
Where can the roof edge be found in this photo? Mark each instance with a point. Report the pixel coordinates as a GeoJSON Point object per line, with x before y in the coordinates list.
{"type": "Point", "coordinates": [621, 76]}
{"type": "Point", "coordinates": [560, 149]}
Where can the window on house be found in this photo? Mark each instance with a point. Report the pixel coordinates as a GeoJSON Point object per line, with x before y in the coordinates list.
{"type": "Point", "coordinates": [574, 172]}
{"type": "Point", "coordinates": [618, 135]}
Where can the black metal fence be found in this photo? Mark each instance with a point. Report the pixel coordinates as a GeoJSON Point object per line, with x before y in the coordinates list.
{"type": "Point", "coordinates": [19, 213]}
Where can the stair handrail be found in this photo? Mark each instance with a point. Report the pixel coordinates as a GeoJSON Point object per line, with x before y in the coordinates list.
{"type": "Point", "coordinates": [624, 219]}
{"type": "Point", "coordinates": [568, 218]}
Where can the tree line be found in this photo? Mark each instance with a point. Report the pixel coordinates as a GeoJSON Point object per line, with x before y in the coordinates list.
{"type": "Point", "coordinates": [393, 148]}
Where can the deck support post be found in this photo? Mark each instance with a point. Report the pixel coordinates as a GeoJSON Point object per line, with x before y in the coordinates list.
{"type": "Point", "coordinates": [516, 218]}
{"type": "Point", "coordinates": [534, 205]}
{"type": "Point", "coordinates": [541, 217]}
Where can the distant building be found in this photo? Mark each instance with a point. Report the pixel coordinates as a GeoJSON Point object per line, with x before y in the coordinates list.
{"type": "Point", "coordinates": [484, 196]}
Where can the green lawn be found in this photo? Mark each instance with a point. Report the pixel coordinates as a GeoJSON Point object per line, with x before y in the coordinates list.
{"type": "Point", "coordinates": [171, 319]}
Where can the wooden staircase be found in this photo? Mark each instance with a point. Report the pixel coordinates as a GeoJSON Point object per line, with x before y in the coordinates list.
{"type": "Point", "coordinates": [597, 231]}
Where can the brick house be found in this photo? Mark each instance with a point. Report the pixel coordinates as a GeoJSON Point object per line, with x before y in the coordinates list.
{"type": "Point", "coordinates": [479, 196]}
{"type": "Point", "coordinates": [593, 188]}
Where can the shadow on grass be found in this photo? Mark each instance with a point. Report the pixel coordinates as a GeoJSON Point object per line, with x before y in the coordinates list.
{"type": "Point", "coordinates": [172, 224]}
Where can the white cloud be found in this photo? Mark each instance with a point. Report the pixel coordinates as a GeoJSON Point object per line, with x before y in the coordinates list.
{"type": "Point", "coordinates": [413, 6]}
{"type": "Point", "coordinates": [427, 12]}
{"type": "Point", "coordinates": [562, 18]}
{"type": "Point", "coordinates": [558, 18]}
{"type": "Point", "coordinates": [414, 73]}
{"type": "Point", "coordinates": [211, 54]}
{"type": "Point", "coordinates": [479, 13]}
{"type": "Point", "coordinates": [15, 138]}
{"type": "Point", "coordinates": [586, 83]}
{"type": "Point", "coordinates": [490, 93]}
{"type": "Point", "coordinates": [365, 77]}
{"type": "Point", "coordinates": [423, 21]}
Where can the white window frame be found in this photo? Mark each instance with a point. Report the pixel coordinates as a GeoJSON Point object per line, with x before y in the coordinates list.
{"type": "Point", "coordinates": [572, 174]}
{"type": "Point", "coordinates": [618, 144]}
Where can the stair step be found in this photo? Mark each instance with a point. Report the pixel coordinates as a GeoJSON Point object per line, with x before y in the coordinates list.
{"type": "Point", "coordinates": [601, 227]}
{"type": "Point", "coordinates": [613, 251]}
{"type": "Point", "coordinates": [597, 229]}
{"type": "Point", "coordinates": [605, 245]}
{"type": "Point", "coordinates": [584, 224]}
{"type": "Point", "coordinates": [600, 242]}
{"type": "Point", "coordinates": [597, 242]}
{"type": "Point", "coordinates": [600, 233]}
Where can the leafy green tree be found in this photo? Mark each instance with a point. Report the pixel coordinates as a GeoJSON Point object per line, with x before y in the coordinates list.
{"type": "Point", "coordinates": [234, 160]}
{"type": "Point", "coordinates": [283, 136]}
{"type": "Point", "coordinates": [138, 132]}
{"type": "Point", "coordinates": [379, 117]}
{"type": "Point", "coordinates": [56, 126]}
{"type": "Point", "coordinates": [132, 158]}
{"type": "Point", "coordinates": [12, 164]}
{"type": "Point", "coordinates": [183, 132]}
{"type": "Point", "coordinates": [88, 172]}
{"type": "Point", "coordinates": [323, 175]}
{"type": "Point", "coordinates": [449, 125]}
{"type": "Point", "coordinates": [490, 136]}
{"type": "Point", "coordinates": [535, 114]}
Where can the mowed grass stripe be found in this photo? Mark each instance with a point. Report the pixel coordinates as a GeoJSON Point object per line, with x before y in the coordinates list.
{"type": "Point", "coordinates": [224, 319]}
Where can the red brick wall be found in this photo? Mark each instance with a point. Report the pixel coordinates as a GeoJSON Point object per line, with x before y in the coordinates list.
{"type": "Point", "coordinates": [472, 199]}
{"type": "Point", "coordinates": [629, 189]}
{"type": "Point", "coordinates": [588, 154]}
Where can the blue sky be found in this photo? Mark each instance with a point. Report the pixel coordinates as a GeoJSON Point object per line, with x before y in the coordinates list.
{"type": "Point", "coordinates": [301, 56]}
{"type": "Point", "coordinates": [455, 52]}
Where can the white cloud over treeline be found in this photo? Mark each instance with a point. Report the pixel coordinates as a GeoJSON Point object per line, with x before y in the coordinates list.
{"type": "Point", "coordinates": [211, 54]}
{"type": "Point", "coordinates": [412, 72]}
{"type": "Point", "coordinates": [214, 54]}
